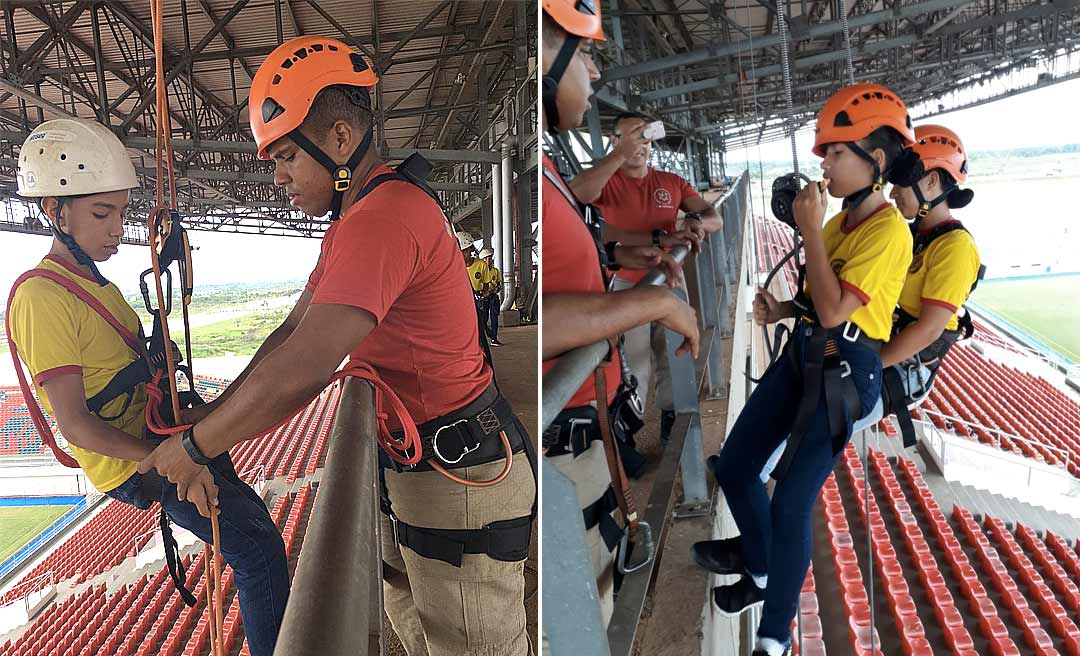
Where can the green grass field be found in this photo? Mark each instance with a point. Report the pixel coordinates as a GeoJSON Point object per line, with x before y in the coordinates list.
{"type": "Point", "coordinates": [1044, 307]}
{"type": "Point", "coordinates": [19, 525]}
{"type": "Point", "coordinates": [236, 336]}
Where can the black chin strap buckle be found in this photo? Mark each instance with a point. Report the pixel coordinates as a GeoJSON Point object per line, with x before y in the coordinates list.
{"type": "Point", "coordinates": [342, 179]}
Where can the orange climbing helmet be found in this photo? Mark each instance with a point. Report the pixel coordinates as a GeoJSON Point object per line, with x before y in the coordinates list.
{"type": "Point", "coordinates": [855, 111]}
{"type": "Point", "coordinates": [939, 148]}
{"type": "Point", "coordinates": [292, 75]}
{"type": "Point", "coordinates": [578, 17]}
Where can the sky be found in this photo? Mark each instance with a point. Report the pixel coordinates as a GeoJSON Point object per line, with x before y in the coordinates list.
{"type": "Point", "coordinates": [1044, 117]}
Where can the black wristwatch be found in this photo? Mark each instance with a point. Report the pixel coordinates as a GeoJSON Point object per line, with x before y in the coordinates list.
{"type": "Point", "coordinates": [609, 255]}
{"type": "Point", "coordinates": [193, 450]}
{"type": "Point", "coordinates": [656, 235]}
{"type": "Point", "coordinates": [692, 215]}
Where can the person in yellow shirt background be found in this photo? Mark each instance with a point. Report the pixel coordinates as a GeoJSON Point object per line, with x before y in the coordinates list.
{"type": "Point", "coordinates": [944, 270]}
{"type": "Point", "coordinates": [491, 298]}
{"type": "Point", "coordinates": [829, 374]}
{"type": "Point", "coordinates": [76, 333]}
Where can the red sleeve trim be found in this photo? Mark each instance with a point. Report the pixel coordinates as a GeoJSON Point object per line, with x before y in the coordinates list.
{"type": "Point", "coordinates": [863, 296]}
{"type": "Point", "coordinates": [57, 371]}
{"type": "Point", "coordinates": [933, 301]}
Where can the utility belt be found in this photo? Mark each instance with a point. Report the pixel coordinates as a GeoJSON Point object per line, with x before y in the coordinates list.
{"type": "Point", "coordinates": [465, 437]}
{"type": "Point", "coordinates": [824, 372]}
{"type": "Point", "coordinates": [906, 385]}
{"type": "Point", "coordinates": [572, 432]}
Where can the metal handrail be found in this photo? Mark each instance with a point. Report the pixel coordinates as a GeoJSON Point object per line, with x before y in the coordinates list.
{"type": "Point", "coordinates": [1000, 433]}
{"type": "Point", "coordinates": [336, 592]}
{"type": "Point", "coordinates": [573, 368]}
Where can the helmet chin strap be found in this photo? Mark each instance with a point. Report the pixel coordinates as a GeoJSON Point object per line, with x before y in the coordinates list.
{"type": "Point", "coordinates": [854, 200]}
{"type": "Point", "coordinates": [73, 246]}
{"type": "Point", "coordinates": [926, 206]}
{"type": "Point", "coordinates": [552, 79]}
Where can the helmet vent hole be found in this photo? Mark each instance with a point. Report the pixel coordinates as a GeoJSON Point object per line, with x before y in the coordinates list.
{"type": "Point", "coordinates": [318, 47]}
{"type": "Point", "coordinates": [287, 64]}
{"type": "Point", "coordinates": [41, 151]}
{"type": "Point", "coordinates": [82, 167]}
{"type": "Point", "coordinates": [331, 47]}
{"type": "Point", "coordinates": [842, 119]}
{"type": "Point", "coordinates": [300, 53]}
{"type": "Point", "coordinates": [63, 156]}
{"type": "Point", "coordinates": [63, 182]}
{"type": "Point", "coordinates": [277, 79]}
{"type": "Point", "coordinates": [271, 110]}
{"type": "Point", "coordinates": [358, 63]}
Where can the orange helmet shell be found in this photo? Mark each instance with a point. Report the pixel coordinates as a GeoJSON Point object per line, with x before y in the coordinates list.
{"type": "Point", "coordinates": [855, 111]}
{"type": "Point", "coordinates": [939, 148]}
{"type": "Point", "coordinates": [578, 17]}
{"type": "Point", "coordinates": [292, 75]}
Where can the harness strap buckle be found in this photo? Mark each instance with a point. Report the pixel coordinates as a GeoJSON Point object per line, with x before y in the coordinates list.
{"type": "Point", "coordinates": [466, 450]}
{"type": "Point", "coordinates": [394, 525]}
{"type": "Point", "coordinates": [853, 337]}
{"type": "Point", "coordinates": [845, 369]}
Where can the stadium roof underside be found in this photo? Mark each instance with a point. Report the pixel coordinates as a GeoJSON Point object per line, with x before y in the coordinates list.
{"type": "Point", "coordinates": [712, 69]}
{"type": "Point", "coordinates": [458, 78]}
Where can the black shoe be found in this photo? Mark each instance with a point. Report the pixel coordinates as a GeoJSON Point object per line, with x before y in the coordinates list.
{"type": "Point", "coordinates": [733, 599]}
{"type": "Point", "coordinates": [719, 556]}
{"type": "Point", "coordinates": [495, 342]}
{"type": "Point", "coordinates": [667, 420]}
{"type": "Point", "coordinates": [762, 652]}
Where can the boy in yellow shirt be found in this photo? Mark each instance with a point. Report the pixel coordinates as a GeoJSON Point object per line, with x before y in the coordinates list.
{"type": "Point", "coordinates": [76, 333]}
{"type": "Point", "coordinates": [830, 373]}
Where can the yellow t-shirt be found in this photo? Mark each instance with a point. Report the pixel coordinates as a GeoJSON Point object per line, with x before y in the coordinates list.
{"type": "Point", "coordinates": [57, 333]}
{"type": "Point", "coordinates": [478, 274]}
{"type": "Point", "coordinates": [871, 261]}
{"type": "Point", "coordinates": [942, 275]}
{"type": "Point", "coordinates": [494, 278]}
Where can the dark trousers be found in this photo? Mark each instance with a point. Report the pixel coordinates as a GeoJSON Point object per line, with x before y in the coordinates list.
{"type": "Point", "coordinates": [250, 543]}
{"type": "Point", "coordinates": [493, 303]}
{"type": "Point", "coordinates": [776, 533]}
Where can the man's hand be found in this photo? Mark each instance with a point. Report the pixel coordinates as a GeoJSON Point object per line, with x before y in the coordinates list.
{"type": "Point", "coordinates": [682, 237]}
{"type": "Point", "coordinates": [809, 207]}
{"type": "Point", "coordinates": [193, 482]}
{"type": "Point", "coordinates": [683, 320]}
{"type": "Point", "coordinates": [694, 225]}
{"type": "Point", "coordinates": [766, 308]}
{"type": "Point", "coordinates": [648, 257]}
{"type": "Point", "coordinates": [629, 143]}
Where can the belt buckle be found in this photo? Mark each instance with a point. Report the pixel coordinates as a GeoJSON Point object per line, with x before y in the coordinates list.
{"type": "Point", "coordinates": [466, 451]}
{"type": "Point", "coordinates": [853, 337]}
{"type": "Point", "coordinates": [394, 527]}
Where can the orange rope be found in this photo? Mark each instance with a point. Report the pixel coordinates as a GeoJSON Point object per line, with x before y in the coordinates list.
{"type": "Point", "coordinates": [159, 225]}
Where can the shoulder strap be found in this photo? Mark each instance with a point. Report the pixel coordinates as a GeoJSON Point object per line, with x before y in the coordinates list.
{"type": "Point", "coordinates": [924, 241]}
{"type": "Point", "coordinates": [560, 184]}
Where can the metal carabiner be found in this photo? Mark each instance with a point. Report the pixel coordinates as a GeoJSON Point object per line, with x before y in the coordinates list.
{"type": "Point", "coordinates": [646, 542]}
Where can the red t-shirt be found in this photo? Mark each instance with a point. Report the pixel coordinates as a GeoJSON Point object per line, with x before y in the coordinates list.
{"type": "Point", "coordinates": [571, 264]}
{"type": "Point", "coordinates": [394, 255]}
{"type": "Point", "coordinates": [643, 204]}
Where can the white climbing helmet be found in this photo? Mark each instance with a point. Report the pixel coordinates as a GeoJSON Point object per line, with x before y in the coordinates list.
{"type": "Point", "coordinates": [72, 157]}
{"type": "Point", "coordinates": [464, 240]}
{"type": "Point", "coordinates": [487, 252]}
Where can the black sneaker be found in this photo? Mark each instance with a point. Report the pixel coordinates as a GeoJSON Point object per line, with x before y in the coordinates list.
{"type": "Point", "coordinates": [719, 556]}
{"type": "Point", "coordinates": [496, 342]}
{"type": "Point", "coordinates": [733, 599]}
{"type": "Point", "coordinates": [762, 652]}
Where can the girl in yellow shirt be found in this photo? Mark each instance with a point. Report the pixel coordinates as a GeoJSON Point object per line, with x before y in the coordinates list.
{"type": "Point", "coordinates": [830, 373]}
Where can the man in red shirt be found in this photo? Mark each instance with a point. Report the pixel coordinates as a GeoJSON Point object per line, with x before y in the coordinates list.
{"type": "Point", "coordinates": [390, 290]}
{"type": "Point", "coordinates": [577, 310]}
{"type": "Point", "coordinates": [639, 202]}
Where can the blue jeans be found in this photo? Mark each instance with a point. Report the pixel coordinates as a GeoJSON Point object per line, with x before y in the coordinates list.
{"type": "Point", "coordinates": [776, 534]}
{"type": "Point", "coordinates": [250, 543]}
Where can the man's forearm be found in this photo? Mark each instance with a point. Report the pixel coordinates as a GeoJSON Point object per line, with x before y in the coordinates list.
{"type": "Point", "coordinates": [275, 389]}
{"type": "Point", "coordinates": [589, 184]}
{"type": "Point", "coordinates": [711, 220]}
{"type": "Point", "coordinates": [94, 434]}
{"type": "Point", "coordinates": [573, 319]}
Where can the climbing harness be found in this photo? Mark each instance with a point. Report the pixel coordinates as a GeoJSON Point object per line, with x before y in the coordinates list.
{"type": "Point", "coordinates": [906, 385]}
